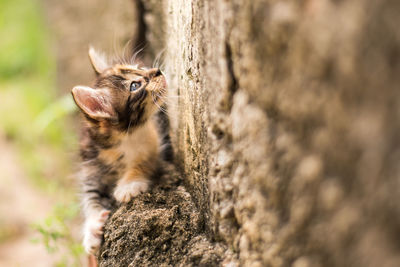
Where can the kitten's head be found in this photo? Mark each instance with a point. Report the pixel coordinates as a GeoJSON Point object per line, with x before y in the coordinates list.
{"type": "Point", "coordinates": [123, 97]}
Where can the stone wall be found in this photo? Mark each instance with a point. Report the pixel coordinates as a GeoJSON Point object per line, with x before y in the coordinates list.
{"type": "Point", "coordinates": [285, 120]}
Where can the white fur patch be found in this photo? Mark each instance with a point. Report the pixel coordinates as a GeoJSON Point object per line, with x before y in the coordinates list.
{"type": "Point", "coordinates": [125, 192]}
{"type": "Point", "coordinates": [93, 231]}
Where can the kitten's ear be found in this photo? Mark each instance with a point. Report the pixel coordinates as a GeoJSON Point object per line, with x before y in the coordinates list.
{"type": "Point", "coordinates": [99, 61]}
{"type": "Point", "coordinates": [94, 103]}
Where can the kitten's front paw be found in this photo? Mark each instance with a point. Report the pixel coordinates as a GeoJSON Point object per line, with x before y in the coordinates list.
{"type": "Point", "coordinates": [93, 231]}
{"type": "Point", "coordinates": [125, 192]}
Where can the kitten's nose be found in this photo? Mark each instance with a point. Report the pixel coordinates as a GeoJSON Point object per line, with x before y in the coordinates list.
{"type": "Point", "coordinates": [155, 72]}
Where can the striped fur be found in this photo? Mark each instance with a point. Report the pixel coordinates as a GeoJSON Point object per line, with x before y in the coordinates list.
{"type": "Point", "coordinates": [120, 141]}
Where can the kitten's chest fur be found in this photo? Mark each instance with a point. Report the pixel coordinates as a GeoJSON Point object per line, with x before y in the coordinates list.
{"type": "Point", "coordinates": [137, 151]}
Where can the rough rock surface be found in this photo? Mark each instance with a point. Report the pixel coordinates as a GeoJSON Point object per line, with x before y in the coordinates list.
{"type": "Point", "coordinates": [159, 228]}
{"type": "Point", "coordinates": [285, 119]}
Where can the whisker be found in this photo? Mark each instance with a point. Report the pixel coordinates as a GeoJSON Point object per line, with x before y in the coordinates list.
{"type": "Point", "coordinates": [134, 55]}
{"type": "Point", "coordinates": [162, 66]}
{"type": "Point", "coordinates": [167, 105]}
{"type": "Point", "coordinates": [158, 106]}
{"type": "Point", "coordinates": [124, 55]}
{"type": "Point", "coordinates": [157, 59]}
{"type": "Point", "coordinates": [169, 97]}
{"type": "Point", "coordinates": [116, 55]}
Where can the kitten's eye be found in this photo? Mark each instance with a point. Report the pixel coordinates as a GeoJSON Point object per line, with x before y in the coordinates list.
{"type": "Point", "coordinates": [135, 86]}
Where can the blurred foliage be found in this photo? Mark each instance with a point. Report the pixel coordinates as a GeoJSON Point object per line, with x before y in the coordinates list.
{"type": "Point", "coordinates": [34, 118]}
{"type": "Point", "coordinates": [31, 115]}
{"type": "Point", "coordinates": [55, 235]}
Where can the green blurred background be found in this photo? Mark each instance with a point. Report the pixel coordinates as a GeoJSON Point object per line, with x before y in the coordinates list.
{"type": "Point", "coordinates": [43, 49]}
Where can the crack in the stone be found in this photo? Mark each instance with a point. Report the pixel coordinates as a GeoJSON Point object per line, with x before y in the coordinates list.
{"type": "Point", "coordinates": [234, 83]}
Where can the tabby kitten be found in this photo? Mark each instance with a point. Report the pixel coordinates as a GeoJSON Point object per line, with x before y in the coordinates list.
{"type": "Point", "coordinates": [120, 144]}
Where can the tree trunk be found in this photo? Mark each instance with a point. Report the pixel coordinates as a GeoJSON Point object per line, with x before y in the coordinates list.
{"type": "Point", "coordinates": [285, 121]}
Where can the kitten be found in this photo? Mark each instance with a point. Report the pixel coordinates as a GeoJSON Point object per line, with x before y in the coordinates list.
{"type": "Point", "coordinates": [120, 144]}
